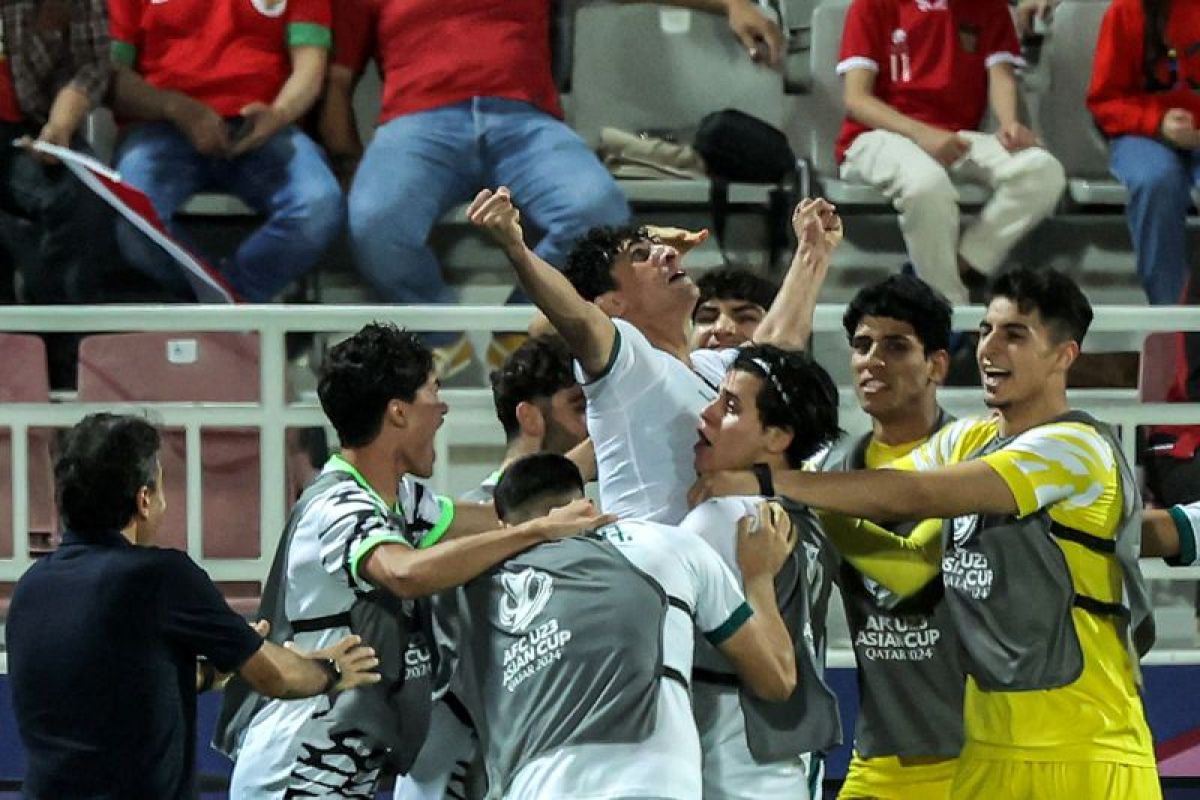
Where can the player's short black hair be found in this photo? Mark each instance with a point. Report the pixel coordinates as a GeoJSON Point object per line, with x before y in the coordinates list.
{"type": "Point", "coordinates": [909, 299]}
{"type": "Point", "coordinates": [532, 485]}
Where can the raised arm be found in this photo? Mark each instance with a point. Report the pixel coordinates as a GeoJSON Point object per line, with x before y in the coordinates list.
{"type": "Point", "coordinates": [587, 330]}
{"type": "Point", "coordinates": [789, 321]}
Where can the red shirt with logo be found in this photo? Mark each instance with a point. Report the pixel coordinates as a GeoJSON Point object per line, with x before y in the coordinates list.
{"type": "Point", "coordinates": [930, 57]}
{"type": "Point", "coordinates": [1123, 98]}
{"type": "Point", "coordinates": [225, 53]}
{"type": "Point", "coordinates": [434, 53]}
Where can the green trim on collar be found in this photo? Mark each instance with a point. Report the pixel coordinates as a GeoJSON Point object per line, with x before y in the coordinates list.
{"type": "Point", "coordinates": [342, 465]}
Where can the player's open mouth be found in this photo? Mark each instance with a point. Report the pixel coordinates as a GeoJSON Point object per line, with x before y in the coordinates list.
{"type": "Point", "coordinates": [677, 275]}
{"type": "Point", "coordinates": [702, 441]}
{"type": "Point", "coordinates": [993, 377]}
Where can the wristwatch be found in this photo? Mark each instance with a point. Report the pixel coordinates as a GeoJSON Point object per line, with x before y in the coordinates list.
{"type": "Point", "coordinates": [332, 673]}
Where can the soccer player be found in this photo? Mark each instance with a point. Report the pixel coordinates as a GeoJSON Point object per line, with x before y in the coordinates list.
{"type": "Point", "coordinates": [730, 308]}
{"type": "Point", "coordinates": [1040, 546]}
{"type": "Point", "coordinates": [575, 658]}
{"type": "Point", "coordinates": [775, 410]}
{"type": "Point", "coordinates": [899, 333]}
{"type": "Point", "coordinates": [539, 404]}
{"type": "Point", "coordinates": [622, 305]}
{"type": "Point", "coordinates": [541, 408]}
{"type": "Point", "coordinates": [364, 541]}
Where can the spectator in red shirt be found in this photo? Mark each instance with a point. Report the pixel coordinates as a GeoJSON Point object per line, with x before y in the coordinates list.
{"type": "Point", "coordinates": [918, 77]}
{"type": "Point", "coordinates": [468, 101]}
{"type": "Point", "coordinates": [212, 89]}
{"type": "Point", "coordinates": [1144, 98]}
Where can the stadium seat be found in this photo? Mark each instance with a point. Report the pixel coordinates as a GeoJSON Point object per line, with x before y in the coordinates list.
{"type": "Point", "coordinates": [827, 112]}
{"type": "Point", "coordinates": [686, 66]}
{"type": "Point", "coordinates": [26, 380]}
{"type": "Point", "coordinates": [209, 367]}
{"type": "Point", "coordinates": [1156, 370]}
{"type": "Point", "coordinates": [1066, 126]}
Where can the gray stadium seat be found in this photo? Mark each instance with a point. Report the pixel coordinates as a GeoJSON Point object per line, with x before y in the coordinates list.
{"type": "Point", "coordinates": [827, 112]}
{"type": "Point", "coordinates": [685, 65]}
{"type": "Point", "coordinates": [1066, 125]}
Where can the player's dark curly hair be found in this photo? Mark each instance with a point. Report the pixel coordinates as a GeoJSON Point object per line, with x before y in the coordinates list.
{"type": "Point", "coordinates": [906, 298]}
{"type": "Point", "coordinates": [364, 373]}
{"type": "Point", "coordinates": [735, 283]}
{"type": "Point", "coordinates": [537, 369]}
{"type": "Point", "coordinates": [590, 262]}
{"type": "Point", "coordinates": [796, 394]}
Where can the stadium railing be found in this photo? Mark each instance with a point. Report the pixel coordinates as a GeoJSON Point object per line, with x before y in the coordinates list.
{"type": "Point", "coordinates": [470, 420]}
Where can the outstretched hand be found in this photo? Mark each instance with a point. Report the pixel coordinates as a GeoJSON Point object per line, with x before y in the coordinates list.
{"type": "Point", "coordinates": [494, 212]}
{"type": "Point", "coordinates": [573, 518]}
{"type": "Point", "coordinates": [818, 233]}
{"type": "Point", "coordinates": [681, 239]}
{"type": "Point", "coordinates": [356, 662]}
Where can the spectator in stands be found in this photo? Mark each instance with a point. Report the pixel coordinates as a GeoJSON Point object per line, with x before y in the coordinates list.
{"type": "Point", "coordinates": [468, 101]}
{"type": "Point", "coordinates": [54, 69]}
{"type": "Point", "coordinates": [104, 635]}
{"type": "Point", "coordinates": [212, 91]}
{"type": "Point", "coordinates": [918, 76]}
{"type": "Point", "coordinates": [1143, 97]}
{"type": "Point", "coordinates": [731, 305]}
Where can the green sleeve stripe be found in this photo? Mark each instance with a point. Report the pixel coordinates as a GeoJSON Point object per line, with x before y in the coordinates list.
{"type": "Point", "coordinates": [123, 53]}
{"type": "Point", "coordinates": [309, 34]}
{"type": "Point", "coordinates": [1187, 538]}
{"type": "Point", "coordinates": [730, 626]}
{"type": "Point", "coordinates": [364, 548]}
{"type": "Point", "coordinates": [443, 524]}
{"type": "Point", "coordinates": [612, 356]}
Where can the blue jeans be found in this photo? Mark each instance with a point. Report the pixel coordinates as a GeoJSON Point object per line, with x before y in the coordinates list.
{"type": "Point", "coordinates": [1160, 181]}
{"type": "Point", "coordinates": [419, 165]}
{"type": "Point", "coordinates": [286, 180]}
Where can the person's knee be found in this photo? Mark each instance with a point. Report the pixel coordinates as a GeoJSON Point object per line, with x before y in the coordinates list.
{"type": "Point", "coordinates": [1037, 176]}
{"type": "Point", "coordinates": [321, 208]}
{"type": "Point", "coordinates": [1157, 180]}
{"type": "Point", "coordinates": [588, 204]}
{"type": "Point", "coordinates": [928, 191]}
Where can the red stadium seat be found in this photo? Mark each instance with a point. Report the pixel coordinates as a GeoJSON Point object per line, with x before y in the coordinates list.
{"type": "Point", "coordinates": [1158, 368]}
{"type": "Point", "coordinates": [187, 367]}
{"type": "Point", "coordinates": [25, 379]}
